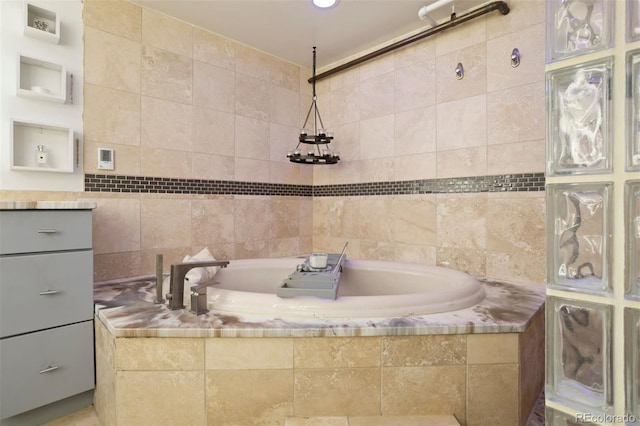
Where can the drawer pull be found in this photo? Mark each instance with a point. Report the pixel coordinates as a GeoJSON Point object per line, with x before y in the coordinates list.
{"type": "Point", "coordinates": [49, 292]}
{"type": "Point", "coordinates": [49, 369]}
{"type": "Point", "coordinates": [47, 231]}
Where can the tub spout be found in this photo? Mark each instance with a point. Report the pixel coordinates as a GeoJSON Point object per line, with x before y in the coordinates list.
{"type": "Point", "coordinates": [176, 282]}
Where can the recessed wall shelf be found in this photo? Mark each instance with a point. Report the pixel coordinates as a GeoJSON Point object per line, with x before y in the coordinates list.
{"type": "Point", "coordinates": [41, 102]}
{"type": "Point", "coordinates": [42, 80]}
{"type": "Point", "coordinates": [41, 23]}
{"type": "Point", "coordinates": [56, 143]}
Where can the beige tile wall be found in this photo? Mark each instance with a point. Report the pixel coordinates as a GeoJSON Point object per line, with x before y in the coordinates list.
{"type": "Point", "coordinates": [408, 117]}
{"type": "Point", "coordinates": [497, 234]}
{"type": "Point", "coordinates": [480, 378]}
{"type": "Point", "coordinates": [182, 102]}
{"type": "Point", "coordinates": [175, 101]}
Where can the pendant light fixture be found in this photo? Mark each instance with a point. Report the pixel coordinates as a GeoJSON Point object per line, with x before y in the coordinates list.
{"type": "Point", "coordinates": [316, 146]}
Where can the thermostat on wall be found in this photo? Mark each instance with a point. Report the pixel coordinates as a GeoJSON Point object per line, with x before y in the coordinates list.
{"type": "Point", "coordinates": [105, 159]}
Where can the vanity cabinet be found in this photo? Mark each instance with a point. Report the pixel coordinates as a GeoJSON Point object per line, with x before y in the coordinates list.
{"type": "Point", "coordinates": [46, 307]}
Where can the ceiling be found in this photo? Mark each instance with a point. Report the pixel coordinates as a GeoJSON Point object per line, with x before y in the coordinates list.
{"type": "Point", "coordinates": [289, 29]}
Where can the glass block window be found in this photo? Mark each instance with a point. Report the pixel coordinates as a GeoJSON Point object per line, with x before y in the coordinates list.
{"type": "Point", "coordinates": [579, 127]}
{"type": "Point", "coordinates": [632, 218]}
{"type": "Point", "coordinates": [558, 418]}
{"type": "Point", "coordinates": [578, 237]}
{"type": "Point", "coordinates": [632, 362]}
{"type": "Point", "coordinates": [633, 111]}
{"type": "Point", "coordinates": [576, 27]}
{"type": "Point", "coordinates": [579, 343]}
{"type": "Point", "coordinates": [633, 20]}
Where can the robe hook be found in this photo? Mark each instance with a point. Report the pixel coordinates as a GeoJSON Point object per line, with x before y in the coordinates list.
{"type": "Point", "coordinates": [515, 58]}
{"type": "Point", "coordinates": [459, 71]}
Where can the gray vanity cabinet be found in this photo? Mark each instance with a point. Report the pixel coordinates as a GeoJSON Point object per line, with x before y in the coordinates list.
{"type": "Point", "coordinates": [46, 307]}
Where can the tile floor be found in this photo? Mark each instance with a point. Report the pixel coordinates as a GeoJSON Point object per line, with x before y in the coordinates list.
{"type": "Point", "coordinates": [85, 417]}
{"type": "Point", "coordinates": [88, 417]}
{"type": "Point", "coordinates": [373, 421]}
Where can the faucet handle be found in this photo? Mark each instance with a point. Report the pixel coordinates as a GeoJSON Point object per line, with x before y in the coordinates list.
{"type": "Point", "coordinates": [198, 303]}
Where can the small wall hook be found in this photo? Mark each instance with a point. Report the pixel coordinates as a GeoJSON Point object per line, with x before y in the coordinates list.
{"type": "Point", "coordinates": [515, 58]}
{"type": "Point", "coordinates": [459, 71]}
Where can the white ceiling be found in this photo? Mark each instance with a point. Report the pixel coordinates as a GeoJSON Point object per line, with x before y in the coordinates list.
{"type": "Point", "coordinates": [289, 29]}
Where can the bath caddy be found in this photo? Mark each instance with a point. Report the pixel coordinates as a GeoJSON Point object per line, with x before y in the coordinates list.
{"type": "Point", "coordinates": [318, 282]}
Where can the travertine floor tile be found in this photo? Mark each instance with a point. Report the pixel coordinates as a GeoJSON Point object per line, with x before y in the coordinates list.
{"type": "Point", "coordinates": [88, 417]}
{"type": "Point", "coordinates": [434, 420]}
{"type": "Point", "coordinates": [85, 417]}
{"type": "Point", "coordinates": [316, 421]}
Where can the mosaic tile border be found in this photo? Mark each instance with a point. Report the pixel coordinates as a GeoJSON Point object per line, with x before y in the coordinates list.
{"type": "Point", "coordinates": [497, 183]}
{"type": "Point", "coordinates": [157, 185]}
{"type": "Point", "coordinates": [524, 182]}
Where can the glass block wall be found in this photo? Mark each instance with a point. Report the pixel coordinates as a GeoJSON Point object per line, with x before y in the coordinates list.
{"type": "Point", "coordinates": [593, 212]}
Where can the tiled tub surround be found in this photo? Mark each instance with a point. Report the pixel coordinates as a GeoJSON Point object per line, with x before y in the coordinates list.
{"type": "Point", "coordinates": [483, 364]}
{"type": "Point", "coordinates": [178, 103]}
{"type": "Point", "coordinates": [482, 225]}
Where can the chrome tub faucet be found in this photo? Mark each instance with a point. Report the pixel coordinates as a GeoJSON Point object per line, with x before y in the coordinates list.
{"type": "Point", "coordinates": [175, 296]}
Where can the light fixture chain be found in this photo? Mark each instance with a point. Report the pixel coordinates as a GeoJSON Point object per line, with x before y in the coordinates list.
{"type": "Point", "coordinates": [313, 85]}
{"type": "Point", "coordinates": [304, 126]}
{"type": "Point", "coordinates": [319, 118]}
{"type": "Point", "coordinates": [314, 155]}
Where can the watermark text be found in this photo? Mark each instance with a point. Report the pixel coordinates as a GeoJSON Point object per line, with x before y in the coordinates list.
{"type": "Point", "coordinates": [606, 418]}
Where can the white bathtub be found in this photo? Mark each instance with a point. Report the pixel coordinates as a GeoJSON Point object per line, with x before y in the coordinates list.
{"type": "Point", "coordinates": [367, 289]}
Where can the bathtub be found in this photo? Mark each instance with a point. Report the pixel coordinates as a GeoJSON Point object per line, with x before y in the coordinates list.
{"type": "Point", "coordinates": [367, 289]}
{"type": "Point", "coordinates": [402, 364]}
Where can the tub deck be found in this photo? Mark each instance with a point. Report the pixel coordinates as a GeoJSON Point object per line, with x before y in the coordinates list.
{"type": "Point", "coordinates": [482, 365]}
{"type": "Point", "coordinates": [126, 308]}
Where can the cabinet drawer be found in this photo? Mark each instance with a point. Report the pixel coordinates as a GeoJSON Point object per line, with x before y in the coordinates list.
{"type": "Point", "coordinates": [46, 366]}
{"type": "Point", "coordinates": [45, 290]}
{"type": "Point", "coordinates": [30, 231]}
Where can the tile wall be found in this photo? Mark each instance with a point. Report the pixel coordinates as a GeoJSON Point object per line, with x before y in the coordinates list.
{"type": "Point", "coordinates": [176, 102]}
{"type": "Point", "coordinates": [405, 116]}
{"type": "Point", "coordinates": [479, 378]}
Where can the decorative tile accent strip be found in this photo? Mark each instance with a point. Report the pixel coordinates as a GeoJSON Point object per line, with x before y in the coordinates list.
{"type": "Point", "coordinates": [156, 185]}
{"type": "Point", "coordinates": [525, 182]}
{"type": "Point", "coordinates": [498, 183]}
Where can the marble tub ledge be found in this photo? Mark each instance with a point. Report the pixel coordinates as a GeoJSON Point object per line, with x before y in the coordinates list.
{"type": "Point", "coordinates": [126, 308]}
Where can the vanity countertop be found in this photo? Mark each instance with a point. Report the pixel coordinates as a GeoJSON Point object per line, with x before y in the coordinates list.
{"type": "Point", "coordinates": [47, 205]}
{"type": "Point", "coordinates": [126, 308]}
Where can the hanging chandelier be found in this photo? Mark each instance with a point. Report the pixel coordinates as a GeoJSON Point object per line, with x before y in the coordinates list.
{"type": "Point", "coordinates": [317, 151]}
